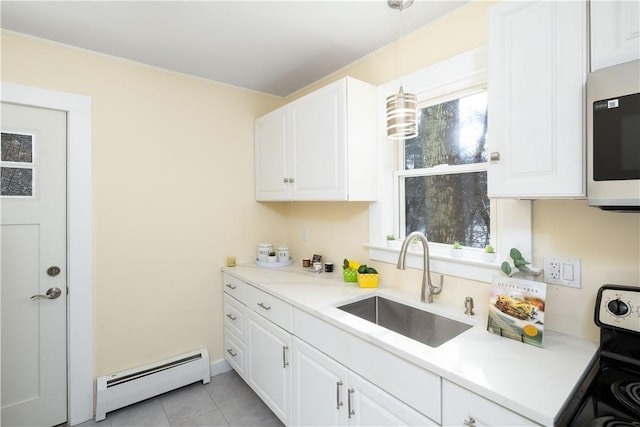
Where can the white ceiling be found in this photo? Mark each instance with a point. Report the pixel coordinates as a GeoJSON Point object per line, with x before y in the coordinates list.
{"type": "Point", "coordinates": [274, 47]}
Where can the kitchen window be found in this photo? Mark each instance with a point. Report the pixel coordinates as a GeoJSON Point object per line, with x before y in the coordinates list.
{"type": "Point", "coordinates": [442, 175]}
{"type": "Point", "coordinates": [421, 183]}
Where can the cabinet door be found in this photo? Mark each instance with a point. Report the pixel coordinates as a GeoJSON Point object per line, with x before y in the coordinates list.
{"type": "Point", "coordinates": [537, 71]}
{"type": "Point", "coordinates": [462, 407]}
{"type": "Point", "coordinates": [271, 168]}
{"type": "Point", "coordinates": [369, 405]}
{"type": "Point", "coordinates": [318, 136]}
{"type": "Point", "coordinates": [268, 366]}
{"type": "Point", "coordinates": [615, 32]}
{"type": "Point", "coordinates": [319, 388]}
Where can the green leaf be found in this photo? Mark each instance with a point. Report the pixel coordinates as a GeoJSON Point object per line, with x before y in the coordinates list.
{"type": "Point", "coordinates": [506, 268]}
{"type": "Point", "coordinates": [519, 263]}
{"type": "Point", "coordinates": [515, 254]}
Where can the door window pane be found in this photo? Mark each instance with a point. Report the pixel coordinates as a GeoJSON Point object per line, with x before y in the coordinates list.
{"type": "Point", "coordinates": [449, 207]}
{"type": "Point", "coordinates": [17, 182]}
{"type": "Point", "coordinates": [17, 164]}
{"type": "Point", "coordinates": [17, 148]}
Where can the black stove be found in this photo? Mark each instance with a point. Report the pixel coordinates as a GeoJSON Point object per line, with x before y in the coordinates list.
{"type": "Point", "coordinates": [609, 394]}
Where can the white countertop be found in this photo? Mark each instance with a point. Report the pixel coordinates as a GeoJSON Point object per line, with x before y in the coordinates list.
{"type": "Point", "coordinates": [532, 381]}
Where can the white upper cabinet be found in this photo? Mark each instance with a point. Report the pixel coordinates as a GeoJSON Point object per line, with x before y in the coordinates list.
{"type": "Point", "coordinates": [615, 32]}
{"type": "Point", "coordinates": [320, 147]}
{"type": "Point", "coordinates": [537, 72]}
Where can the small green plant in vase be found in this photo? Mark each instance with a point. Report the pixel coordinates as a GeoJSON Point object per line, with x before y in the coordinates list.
{"type": "Point", "coordinates": [520, 265]}
{"type": "Point", "coordinates": [392, 242]}
{"type": "Point", "coordinates": [456, 249]}
{"type": "Point", "coordinates": [489, 254]}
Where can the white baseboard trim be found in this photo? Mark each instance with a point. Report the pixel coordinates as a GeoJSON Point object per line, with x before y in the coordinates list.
{"type": "Point", "coordinates": [219, 367]}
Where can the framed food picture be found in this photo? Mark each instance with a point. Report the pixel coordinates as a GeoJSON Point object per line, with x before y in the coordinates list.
{"type": "Point", "coordinates": [516, 309]}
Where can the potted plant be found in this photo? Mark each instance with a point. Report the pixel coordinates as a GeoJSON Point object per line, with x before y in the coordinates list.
{"type": "Point", "coordinates": [415, 245]}
{"type": "Point", "coordinates": [489, 254]}
{"type": "Point", "coordinates": [392, 242]}
{"type": "Point", "coordinates": [457, 250]}
{"type": "Point", "coordinates": [520, 265]}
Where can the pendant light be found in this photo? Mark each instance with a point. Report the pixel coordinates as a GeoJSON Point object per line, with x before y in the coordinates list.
{"type": "Point", "coordinates": [402, 122]}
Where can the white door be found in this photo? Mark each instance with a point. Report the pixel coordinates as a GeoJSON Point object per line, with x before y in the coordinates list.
{"type": "Point", "coordinates": [33, 203]}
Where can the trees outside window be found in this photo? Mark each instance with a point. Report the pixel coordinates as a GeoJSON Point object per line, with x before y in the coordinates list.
{"type": "Point", "coordinates": [443, 177]}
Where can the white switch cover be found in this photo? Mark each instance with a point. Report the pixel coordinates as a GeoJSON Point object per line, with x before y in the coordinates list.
{"type": "Point", "coordinates": [562, 271]}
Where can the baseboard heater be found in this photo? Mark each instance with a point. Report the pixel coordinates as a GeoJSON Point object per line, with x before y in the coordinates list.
{"type": "Point", "coordinates": [125, 388]}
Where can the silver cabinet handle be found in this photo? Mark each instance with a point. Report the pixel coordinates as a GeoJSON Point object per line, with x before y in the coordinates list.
{"type": "Point", "coordinates": [350, 403]}
{"type": "Point", "coordinates": [230, 286]}
{"type": "Point", "coordinates": [262, 305]}
{"type": "Point", "coordinates": [291, 180]}
{"type": "Point", "coordinates": [470, 422]}
{"type": "Point", "coordinates": [286, 180]}
{"type": "Point", "coordinates": [284, 356]}
{"type": "Point", "coordinates": [52, 293]}
{"type": "Point", "coordinates": [494, 156]}
{"type": "Point", "coordinates": [231, 316]}
{"type": "Point", "coordinates": [231, 353]}
{"type": "Point", "coordinates": [338, 400]}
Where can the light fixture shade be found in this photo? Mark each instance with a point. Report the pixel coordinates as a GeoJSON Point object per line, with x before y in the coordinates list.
{"type": "Point", "coordinates": [402, 121]}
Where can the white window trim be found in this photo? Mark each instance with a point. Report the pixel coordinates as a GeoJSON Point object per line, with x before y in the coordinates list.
{"type": "Point", "coordinates": [511, 224]}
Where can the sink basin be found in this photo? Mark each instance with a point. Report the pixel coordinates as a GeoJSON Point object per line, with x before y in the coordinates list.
{"type": "Point", "coordinates": [427, 328]}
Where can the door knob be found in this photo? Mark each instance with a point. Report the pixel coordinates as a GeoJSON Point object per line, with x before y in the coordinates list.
{"type": "Point", "coordinates": [52, 293]}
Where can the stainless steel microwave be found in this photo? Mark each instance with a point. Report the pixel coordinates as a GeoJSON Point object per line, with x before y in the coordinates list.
{"type": "Point", "coordinates": [613, 137]}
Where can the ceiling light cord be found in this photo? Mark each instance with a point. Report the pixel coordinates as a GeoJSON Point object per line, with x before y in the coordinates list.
{"type": "Point", "coordinates": [401, 109]}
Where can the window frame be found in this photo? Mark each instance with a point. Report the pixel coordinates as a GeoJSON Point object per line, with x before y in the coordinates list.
{"type": "Point", "coordinates": [510, 219]}
{"type": "Point", "coordinates": [33, 165]}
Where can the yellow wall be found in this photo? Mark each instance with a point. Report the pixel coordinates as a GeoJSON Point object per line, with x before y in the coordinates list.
{"type": "Point", "coordinates": [173, 195]}
{"type": "Point", "coordinates": [607, 243]}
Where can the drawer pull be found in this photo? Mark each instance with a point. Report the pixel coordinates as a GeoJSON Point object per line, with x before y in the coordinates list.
{"type": "Point", "coordinates": [494, 156]}
{"type": "Point", "coordinates": [262, 305]}
{"type": "Point", "coordinates": [470, 422]}
{"type": "Point", "coordinates": [350, 403]}
{"type": "Point", "coordinates": [230, 286]}
{"type": "Point", "coordinates": [232, 353]}
{"type": "Point", "coordinates": [231, 316]}
{"type": "Point", "coordinates": [284, 356]}
{"type": "Point", "coordinates": [338, 400]}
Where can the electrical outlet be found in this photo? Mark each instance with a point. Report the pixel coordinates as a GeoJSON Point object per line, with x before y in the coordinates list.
{"type": "Point", "coordinates": [562, 271]}
{"type": "Point", "coordinates": [305, 233]}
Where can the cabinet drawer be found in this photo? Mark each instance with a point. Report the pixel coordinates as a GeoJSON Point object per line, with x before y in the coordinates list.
{"type": "Point", "coordinates": [235, 352]}
{"type": "Point", "coordinates": [234, 318]}
{"type": "Point", "coordinates": [270, 307]}
{"type": "Point", "coordinates": [235, 287]}
{"type": "Point", "coordinates": [463, 407]}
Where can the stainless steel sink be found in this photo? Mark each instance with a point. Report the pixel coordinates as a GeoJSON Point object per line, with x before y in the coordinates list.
{"type": "Point", "coordinates": [423, 326]}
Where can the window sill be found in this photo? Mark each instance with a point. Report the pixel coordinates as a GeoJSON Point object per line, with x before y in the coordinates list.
{"type": "Point", "coordinates": [470, 266]}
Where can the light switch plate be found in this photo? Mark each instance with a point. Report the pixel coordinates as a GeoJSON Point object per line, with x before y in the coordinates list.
{"type": "Point", "coordinates": [564, 271]}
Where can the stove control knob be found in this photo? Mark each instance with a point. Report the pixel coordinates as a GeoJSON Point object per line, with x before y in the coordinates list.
{"type": "Point", "coordinates": [617, 307]}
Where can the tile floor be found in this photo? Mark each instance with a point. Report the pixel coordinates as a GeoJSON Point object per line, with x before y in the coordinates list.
{"type": "Point", "coordinates": [226, 401]}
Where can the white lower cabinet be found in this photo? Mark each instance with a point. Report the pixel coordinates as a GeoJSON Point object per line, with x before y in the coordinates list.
{"type": "Point", "coordinates": [463, 407]}
{"type": "Point", "coordinates": [326, 393]}
{"type": "Point", "coordinates": [268, 364]}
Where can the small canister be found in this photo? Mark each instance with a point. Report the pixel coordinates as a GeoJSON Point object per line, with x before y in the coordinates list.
{"type": "Point", "coordinates": [283, 253]}
{"type": "Point", "coordinates": [264, 249]}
